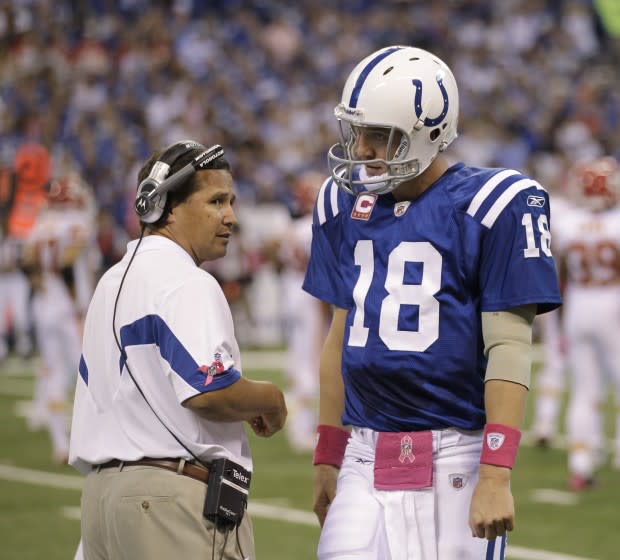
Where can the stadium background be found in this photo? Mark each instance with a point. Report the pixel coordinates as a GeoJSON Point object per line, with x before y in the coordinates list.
{"type": "Point", "coordinates": [102, 83]}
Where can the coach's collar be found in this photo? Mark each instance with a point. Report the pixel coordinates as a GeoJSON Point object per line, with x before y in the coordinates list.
{"type": "Point", "coordinates": [158, 243]}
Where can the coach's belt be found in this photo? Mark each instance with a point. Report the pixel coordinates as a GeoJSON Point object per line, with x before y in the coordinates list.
{"type": "Point", "coordinates": [179, 466]}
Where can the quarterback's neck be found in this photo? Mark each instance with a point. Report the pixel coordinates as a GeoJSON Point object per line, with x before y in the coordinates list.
{"type": "Point", "coordinates": [414, 188]}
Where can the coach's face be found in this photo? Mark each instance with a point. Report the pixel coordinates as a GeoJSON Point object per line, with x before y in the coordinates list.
{"type": "Point", "coordinates": [203, 223]}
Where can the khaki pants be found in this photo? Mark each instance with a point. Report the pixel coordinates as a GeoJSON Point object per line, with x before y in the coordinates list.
{"type": "Point", "coordinates": [147, 513]}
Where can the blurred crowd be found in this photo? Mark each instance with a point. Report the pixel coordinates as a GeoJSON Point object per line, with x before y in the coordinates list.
{"type": "Point", "coordinates": [102, 83]}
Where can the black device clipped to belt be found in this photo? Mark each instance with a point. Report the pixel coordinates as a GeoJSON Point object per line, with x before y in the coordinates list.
{"type": "Point", "coordinates": [227, 492]}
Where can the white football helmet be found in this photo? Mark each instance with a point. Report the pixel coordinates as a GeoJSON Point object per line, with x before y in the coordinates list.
{"type": "Point", "coordinates": [410, 92]}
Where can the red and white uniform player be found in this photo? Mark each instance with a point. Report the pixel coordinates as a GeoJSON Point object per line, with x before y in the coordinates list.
{"type": "Point", "coordinates": [60, 246]}
{"type": "Point", "coordinates": [551, 380]}
{"type": "Point", "coordinates": [587, 240]}
{"type": "Point", "coordinates": [14, 292]}
{"type": "Point", "coordinates": [22, 193]}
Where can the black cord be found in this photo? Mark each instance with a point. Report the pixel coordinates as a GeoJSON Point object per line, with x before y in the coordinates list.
{"type": "Point", "coordinates": [214, 535]}
{"type": "Point", "coordinates": [238, 542]}
{"type": "Point", "coordinates": [124, 355]}
{"type": "Point", "coordinates": [224, 545]}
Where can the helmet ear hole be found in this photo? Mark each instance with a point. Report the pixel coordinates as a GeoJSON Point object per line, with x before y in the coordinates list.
{"type": "Point", "coordinates": [435, 134]}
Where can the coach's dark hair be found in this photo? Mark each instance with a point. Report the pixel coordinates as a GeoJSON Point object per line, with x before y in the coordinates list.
{"type": "Point", "coordinates": [181, 193]}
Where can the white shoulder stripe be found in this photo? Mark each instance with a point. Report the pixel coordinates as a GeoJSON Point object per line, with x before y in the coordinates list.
{"type": "Point", "coordinates": [334, 198]}
{"type": "Point", "coordinates": [488, 188]}
{"type": "Point", "coordinates": [506, 197]}
{"type": "Point", "coordinates": [321, 202]}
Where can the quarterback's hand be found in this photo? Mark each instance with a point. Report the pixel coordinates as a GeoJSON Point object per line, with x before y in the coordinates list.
{"type": "Point", "coordinates": [325, 477]}
{"type": "Point", "coordinates": [492, 510]}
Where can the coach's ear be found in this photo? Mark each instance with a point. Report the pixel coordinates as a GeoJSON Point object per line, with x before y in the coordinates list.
{"type": "Point", "coordinates": [171, 218]}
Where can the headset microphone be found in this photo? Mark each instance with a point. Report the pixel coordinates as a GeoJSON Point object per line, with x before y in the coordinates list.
{"type": "Point", "coordinates": [151, 198]}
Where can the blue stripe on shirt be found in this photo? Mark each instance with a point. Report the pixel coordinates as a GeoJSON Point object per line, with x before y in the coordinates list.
{"type": "Point", "coordinates": [152, 329]}
{"type": "Point", "coordinates": [83, 369]}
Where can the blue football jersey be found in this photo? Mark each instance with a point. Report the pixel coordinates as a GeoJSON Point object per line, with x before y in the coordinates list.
{"type": "Point", "coordinates": [415, 277]}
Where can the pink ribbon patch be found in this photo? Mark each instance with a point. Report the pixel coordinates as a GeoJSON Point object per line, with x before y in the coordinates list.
{"type": "Point", "coordinates": [404, 460]}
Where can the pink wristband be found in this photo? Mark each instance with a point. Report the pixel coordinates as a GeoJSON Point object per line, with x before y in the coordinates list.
{"type": "Point", "coordinates": [330, 445]}
{"type": "Point", "coordinates": [499, 445]}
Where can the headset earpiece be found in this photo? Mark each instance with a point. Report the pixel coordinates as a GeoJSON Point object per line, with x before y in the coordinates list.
{"type": "Point", "coordinates": [148, 206]}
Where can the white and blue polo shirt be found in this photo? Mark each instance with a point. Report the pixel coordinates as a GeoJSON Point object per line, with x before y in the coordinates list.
{"type": "Point", "coordinates": [175, 327]}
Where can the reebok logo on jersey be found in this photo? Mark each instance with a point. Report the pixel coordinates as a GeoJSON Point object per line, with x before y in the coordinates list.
{"type": "Point", "coordinates": [495, 440]}
{"type": "Point", "coordinates": [536, 201]}
{"type": "Point", "coordinates": [364, 203]}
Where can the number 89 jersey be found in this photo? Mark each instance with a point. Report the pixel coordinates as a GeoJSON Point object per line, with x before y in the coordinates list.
{"type": "Point", "coordinates": [415, 276]}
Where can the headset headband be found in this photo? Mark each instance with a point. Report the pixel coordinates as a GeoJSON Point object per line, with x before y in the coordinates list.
{"type": "Point", "coordinates": [151, 197]}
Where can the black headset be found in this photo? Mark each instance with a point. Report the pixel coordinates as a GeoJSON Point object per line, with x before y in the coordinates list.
{"type": "Point", "coordinates": [152, 192]}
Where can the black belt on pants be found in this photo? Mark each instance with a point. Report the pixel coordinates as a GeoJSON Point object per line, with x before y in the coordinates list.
{"type": "Point", "coordinates": [198, 472]}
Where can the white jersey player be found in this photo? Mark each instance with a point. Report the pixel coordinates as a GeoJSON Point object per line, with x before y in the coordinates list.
{"type": "Point", "coordinates": [54, 247]}
{"type": "Point", "coordinates": [305, 318]}
{"type": "Point", "coordinates": [14, 293]}
{"type": "Point", "coordinates": [588, 240]}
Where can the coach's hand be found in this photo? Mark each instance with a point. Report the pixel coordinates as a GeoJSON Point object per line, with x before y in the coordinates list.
{"type": "Point", "coordinates": [268, 424]}
{"type": "Point", "coordinates": [492, 510]}
{"type": "Point", "coordinates": [325, 477]}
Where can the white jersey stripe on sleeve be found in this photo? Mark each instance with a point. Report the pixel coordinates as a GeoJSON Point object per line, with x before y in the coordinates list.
{"type": "Point", "coordinates": [505, 198]}
{"type": "Point", "coordinates": [488, 188]}
{"type": "Point", "coordinates": [334, 198]}
{"type": "Point", "coordinates": [320, 203]}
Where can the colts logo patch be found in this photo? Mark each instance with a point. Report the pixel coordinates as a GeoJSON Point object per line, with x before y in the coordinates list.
{"type": "Point", "coordinates": [364, 203]}
{"type": "Point", "coordinates": [495, 440]}
{"type": "Point", "coordinates": [406, 450]}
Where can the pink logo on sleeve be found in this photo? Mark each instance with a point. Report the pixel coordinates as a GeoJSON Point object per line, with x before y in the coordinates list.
{"type": "Point", "coordinates": [212, 370]}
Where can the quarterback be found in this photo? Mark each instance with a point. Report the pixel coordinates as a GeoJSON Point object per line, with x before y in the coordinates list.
{"type": "Point", "coordinates": [435, 273]}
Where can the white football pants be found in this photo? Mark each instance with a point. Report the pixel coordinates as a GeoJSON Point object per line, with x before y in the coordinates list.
{"type": "Point", "coordinates": [592, 322]}
{"type": "Point", "coordinates": [550, 381]}
{"type": "Point", "coordinates": [430, 524]}
{"type": "Point", "coordinates": [14, 296]}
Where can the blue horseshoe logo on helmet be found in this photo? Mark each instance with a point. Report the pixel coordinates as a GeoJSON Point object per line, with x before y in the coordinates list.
{"type": "Point", "coordinates": [418, 102]}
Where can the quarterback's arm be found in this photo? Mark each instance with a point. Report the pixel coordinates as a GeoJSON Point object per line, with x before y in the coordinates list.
{"type": "Point", "coordinates": [259, 402]}
{"type": "Point", "coordinates": [331, 406]}
{"type": "Point", "coordinates": [331, 403]}
{"type": "Point", "coordinates": [507, 337]}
